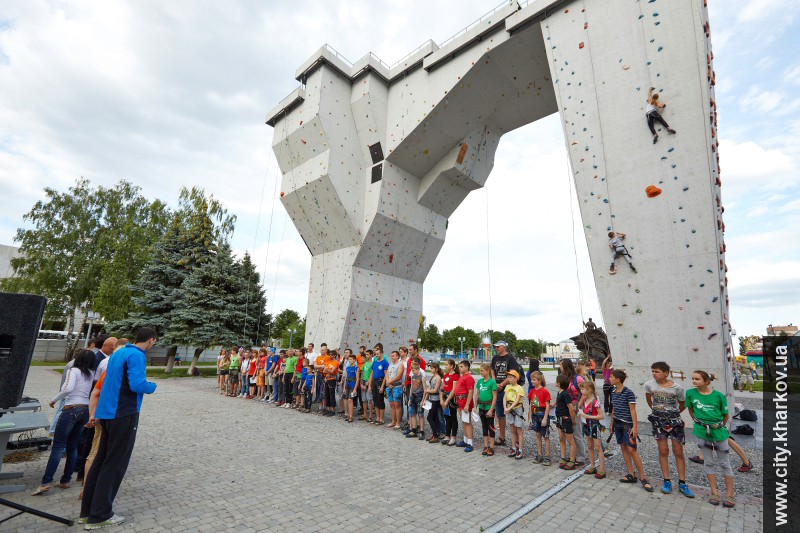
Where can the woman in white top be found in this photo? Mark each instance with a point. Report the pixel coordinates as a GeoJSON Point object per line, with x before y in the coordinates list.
{"type": "Point", "coordinates": [653, 116]}
{"type": "Point", "coordinates": [76, 390]}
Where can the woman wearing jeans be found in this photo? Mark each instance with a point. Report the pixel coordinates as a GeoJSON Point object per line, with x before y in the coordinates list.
{"type": "Point", "coordinates": [76, 390]}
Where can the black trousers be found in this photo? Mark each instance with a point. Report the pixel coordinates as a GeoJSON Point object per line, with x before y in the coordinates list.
{"type": "Point", "coordinates": [377, 395]}
{"type": "Point", "coordinates": [487, 424]}
{"type": "Point", "coordinates": [652, 118]}
{"type": "Point", "coordinates": [307, 398]}
{"type": "Point", "coordinates": [109, 467]}
{"type": "Point", "coordinates": [330, 393]}
{"type": "Point", "coordinates": [451, 422]}
{"type": "Point", "coordinates": [84, 448]}
{"type": "Point", "coordinates": [433, 417]}
{"type": "Point", "coordinates": [287, 387]}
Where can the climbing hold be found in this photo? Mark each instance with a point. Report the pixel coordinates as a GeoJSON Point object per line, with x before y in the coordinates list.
{"type": "Point", "coordinates": [712, 336]}
{"type": "Point", "coordinates": [425, 151]}
{"type": "Point", "coordinates": [282, 193]}
{"type": "Point", "coordinates": [701, 327]}
{"type": "Point", "coordinates": [695, 349]}
{"type": "Point", "coordinates": [652, 191]}
{"type": "Point", "coordinates": [686, 188]}
{"type": "Point", "coordinates": [605, 200]}
{"type": "Point", "coordinates": [391, 258]}
{"type": "Point", "coordinates": [708, 312]}
{"type": "Point", "coordinates": [585, 25]}
{"type": "Point", "coordinates": [619, 323]}
{"type": "Point", "coordinates": [639, 310]}
{"type": "Point", "coordinates": [625, 67]}
{"type": "Point", "coordinates": [580, 45]}
{"type": "Point", "coordinates": [303, 141]}
{"type": "Point", "coordinates": [671, 150]}
{"type": "Point", "coordinates": [301, 122]}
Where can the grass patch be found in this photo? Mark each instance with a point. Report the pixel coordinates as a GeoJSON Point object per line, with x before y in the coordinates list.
{"type": "Point", "coordinates": [48, 363]}
{"type": "Point", "coordinates": [180, 372]}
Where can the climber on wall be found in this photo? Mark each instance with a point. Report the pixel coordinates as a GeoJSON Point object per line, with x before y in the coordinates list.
{"type": "Point", "coordinates": [618, 246]}
{"type": "Point", "coordinates": [653, 116]}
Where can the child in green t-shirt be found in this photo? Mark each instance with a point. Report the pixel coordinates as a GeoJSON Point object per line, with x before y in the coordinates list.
{"type": "Point", "coordinates": [487, 400]}
{"type": "Point", "coordinates": [709, 410]}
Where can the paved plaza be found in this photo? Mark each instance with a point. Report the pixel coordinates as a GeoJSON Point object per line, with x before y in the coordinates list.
{"type": "Point", "coordinates": [204, 462]}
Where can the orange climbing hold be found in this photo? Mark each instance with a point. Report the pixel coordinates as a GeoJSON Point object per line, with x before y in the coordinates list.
{"type": "Point", "coordinates": [580, 45]}
{"type": "Point", "coordinates": [462, 153]}
{"type": "Point", "coordinates": [282, 193]}
{"type": "Point", "coordinates": [652, 191]}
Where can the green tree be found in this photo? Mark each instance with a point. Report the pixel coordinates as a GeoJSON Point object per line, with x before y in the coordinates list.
{"type": "Point", "coordinates": [251, 298]}
{"type": "Point", "coordinates": [83, 246]}
{"type": "Point", "coordinates": [192, 238]}
{"type": "Point", "coordinates": [431, 338]}
{"type": "Point", "coordinates": [296, 338]}
{"type": "Point", "coordinates": [207, 310]}
{"type": "Point", "coordinates": [450, 338]}
{"type": "Point", "coordinates": [283, 322]}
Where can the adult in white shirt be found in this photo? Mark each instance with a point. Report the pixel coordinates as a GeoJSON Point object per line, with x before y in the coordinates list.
{"type": "Point", "coordinates": [76, 390]}
{"type": "Point", "coordinates": [310, 354]}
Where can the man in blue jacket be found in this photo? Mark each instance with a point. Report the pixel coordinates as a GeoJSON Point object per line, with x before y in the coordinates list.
{"type": "Point", "coordinates": [118, 413]}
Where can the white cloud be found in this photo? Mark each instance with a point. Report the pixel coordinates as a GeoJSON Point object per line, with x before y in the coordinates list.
{"type": "Point", "coordinates": [174, 94]}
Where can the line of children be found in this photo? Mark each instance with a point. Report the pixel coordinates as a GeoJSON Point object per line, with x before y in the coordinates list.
{"type": "Point", "coordinates": [456, 394]}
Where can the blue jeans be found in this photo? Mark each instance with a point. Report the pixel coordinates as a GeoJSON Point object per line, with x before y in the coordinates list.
{"type": "Point", "coordinates": [69, 430]}
{"type": "Point", "coordinates": [59, 407]}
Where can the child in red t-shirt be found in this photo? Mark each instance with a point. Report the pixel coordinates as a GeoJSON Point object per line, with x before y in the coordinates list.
{"type": "Point", "coordinates": [539, 417]}
{"type": "Point", "coordinates": [589, 409]}
{"type": "Point", "coordinates": [449, 382]}
{"type": "Point", "coordinates": [463, 394]}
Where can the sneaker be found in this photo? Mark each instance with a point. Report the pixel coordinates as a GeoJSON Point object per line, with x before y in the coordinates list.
{"type": "Point", "coordinates": [411, 435]}
{"type": "Point", "coordinates": [113, 521]}
{"type": "Point", "coordinates": [655, 139]}
{"type": "Point", "coordinates": [537, 459]}
{"type": "Point", "coordinates": [670, 130]}
{"type": "Point", "coordinates": [745, 467]}
{"type": "Point", "coordinates": [406, 431]}
{"type": "Point", "coordinates": [485, 451]}
{"type": "Point", "coordinates": [83, 520]}
{"type": "Point", "coordinates": [468, 448]}
{"type": "Point", "coordinates": [519, 455]}
{"type": "Point", "coordinates": [666, 488]}
{"type": "Point", "coordinates": [684, 489]}
{"type": "Point", "coordinates": [546, 461]}
{"type": "Point", "coordinates": [512, 454]}
{"type": "Point", "coordinates": [461, 444]}
{"type": "Point", "coordinates": [421, 436]}
{"type": "Point", "coordinates": [600, 475]}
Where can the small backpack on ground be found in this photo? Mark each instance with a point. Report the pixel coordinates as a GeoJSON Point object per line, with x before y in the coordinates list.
{"type": "Point", "coordinates": [748, 415]}
{"type": "Point", "coordinates": [744, 429]}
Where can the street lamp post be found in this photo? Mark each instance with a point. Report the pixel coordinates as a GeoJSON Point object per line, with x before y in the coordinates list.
{"type": "Point", "coordinates": [461, 340]}
{"type": "Point", "coordinates": [291, 332]}
{"type": "Point", "coordinates": [92, 317]}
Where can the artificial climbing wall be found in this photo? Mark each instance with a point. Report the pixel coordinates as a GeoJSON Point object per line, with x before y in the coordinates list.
{"type": "Point", "coordinates": [664, 196]}
{"type": "Point", "coordinates": [376, 158]}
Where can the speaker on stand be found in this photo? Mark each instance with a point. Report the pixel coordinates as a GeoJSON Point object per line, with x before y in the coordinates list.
{"type": "Point", "coordinates": [20, 320]}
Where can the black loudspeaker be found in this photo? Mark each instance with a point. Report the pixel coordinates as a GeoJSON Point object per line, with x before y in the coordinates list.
{"type": "Point", "coordinates": [20, 319]}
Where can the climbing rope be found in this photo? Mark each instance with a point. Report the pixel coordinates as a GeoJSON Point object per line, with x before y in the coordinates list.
{"type": "Point", "coordinates": [255, 239]}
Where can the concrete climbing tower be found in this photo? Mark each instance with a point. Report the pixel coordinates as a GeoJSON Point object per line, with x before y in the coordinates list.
{"type": "Point", "coordinates": [375, 158]}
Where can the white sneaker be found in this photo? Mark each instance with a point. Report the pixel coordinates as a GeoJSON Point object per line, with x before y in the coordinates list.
{"type": "Point", "coordinates": [113, 521]}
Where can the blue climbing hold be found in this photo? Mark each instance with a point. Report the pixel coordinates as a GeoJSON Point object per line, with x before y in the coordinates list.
{"type": "Point", "coordinates": [649, 62]}
{"type": "Point", "coordinates": [655, 14]}
{"type": "Point", "coordinates": [660, 48]}
{"type": "Point", "coordinates": [605, 200]}
{"type": "Point", "coordinates": [709, 270]}
{"type": "Point", "coordinates": [715, 298]}
{"type": "Point", "coordinates": [641, 16]}
{"type": "Point", "coordinates": [674, 165]}
{"type": "Point", "coordinates": [675, 178]}
{"type": "Point", "coordinates": [685, 189]}
{"type": "Point", "coordinates": [663, 157]}
{"type": "Point", "coordinates": [671, 150]}
{"type": "Point", "coordinates": [708, 312]}
{"type": "Point", "coordinates": [694, 231]}
{"type": "Point", "coordinates": [609, 228]}
{"type": "Point", "coordinates": [657, 23]}
{"type": "Point", "coordinates": [702, 284]}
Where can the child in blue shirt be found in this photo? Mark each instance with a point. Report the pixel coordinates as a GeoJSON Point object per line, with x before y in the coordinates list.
{"type": "Point", "coordinates": [351, 384]}
{"type": "Point", "coordinates": [307, 386]}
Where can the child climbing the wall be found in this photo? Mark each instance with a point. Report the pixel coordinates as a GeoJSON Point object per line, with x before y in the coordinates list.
{"type": "Point", "coordinates": [616, 244]}
{"type": "Point", "coordinates": [653, 116]}
{"type": "Point", "coordinates": [709, 410]}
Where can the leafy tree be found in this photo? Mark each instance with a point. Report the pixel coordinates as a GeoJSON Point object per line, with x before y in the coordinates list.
{"type": "Point", "coordinates": [431, 338]}
{"type": "Point", "coordinates": [450, 338]}
{"type": "Point", "coordinates": [529, 348]}
{"type": "Point", "coordinates": [84, 248]}
{"type": "Point", "coordinates": [296, 338]}
{"type": "Point", "coordinates": [283, 322]}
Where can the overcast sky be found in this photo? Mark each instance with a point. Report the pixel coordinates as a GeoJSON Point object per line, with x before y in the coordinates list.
{"type": "Point", "coordinates": [171, 94]}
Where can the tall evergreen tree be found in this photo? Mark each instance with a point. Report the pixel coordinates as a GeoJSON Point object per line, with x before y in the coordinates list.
{"type": "Point", "coordinates": [191, 240]}
{"type": "Point", "coordinates": [207, 307]}
{"type": "Point", "coordinates": [252, 300]}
